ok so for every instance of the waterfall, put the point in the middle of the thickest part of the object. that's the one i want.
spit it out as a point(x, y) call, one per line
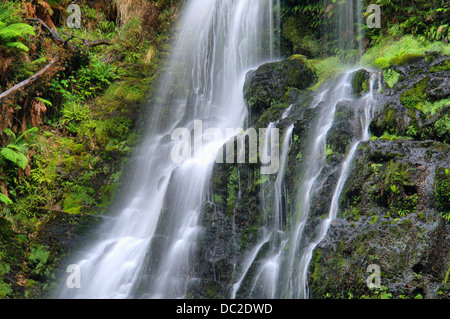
point(367, 106)
point(146, 248)
point(343, 27)
point(283, 271)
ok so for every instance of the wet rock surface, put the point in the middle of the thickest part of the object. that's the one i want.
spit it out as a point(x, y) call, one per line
point(391, 211)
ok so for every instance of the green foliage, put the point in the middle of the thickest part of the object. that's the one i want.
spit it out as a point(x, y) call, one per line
point(12, 30)
point(432, 107)
point(429, 18)
point(15, 151)
point(302, 27)
point(381, 293)
point(443, 66)
point(232, 189)
point(391, 77)
point(92, 79)
point(14, 154)
point(327, 69)
point(301, 43)
point(5, 199)
point(5, 289)
point(442, 126)
point(401, 194)
point(38, 258)
point(74, 113)
point(389, 50)
point(414, 98)
point(9, 35)
point(77, 197)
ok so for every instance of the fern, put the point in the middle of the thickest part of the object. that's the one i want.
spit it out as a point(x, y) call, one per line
point(16, 30)
point(46, 102)
point(14, 156)
point(10, 33)
point(15, 151)
point(18, 45)
point(30, 131)
point(5, 199)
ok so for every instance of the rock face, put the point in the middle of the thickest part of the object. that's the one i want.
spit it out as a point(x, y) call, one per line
point(394, 211)
point(388, 217)
point(271, 84)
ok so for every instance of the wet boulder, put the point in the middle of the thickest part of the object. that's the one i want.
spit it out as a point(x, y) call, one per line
point(275, 82)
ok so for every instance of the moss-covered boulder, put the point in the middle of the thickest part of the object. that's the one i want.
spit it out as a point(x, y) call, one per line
point(417, 103)
point(360, 81)
point(272, 83)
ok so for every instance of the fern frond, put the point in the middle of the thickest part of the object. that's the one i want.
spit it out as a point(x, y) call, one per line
point(9, 133)
point(5, 199)
point(16, 30)
point(18, 45)
point(46, 102)
point(15, 157)
point(30, 131)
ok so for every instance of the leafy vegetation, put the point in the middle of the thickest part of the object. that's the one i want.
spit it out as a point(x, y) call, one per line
point(65, 139)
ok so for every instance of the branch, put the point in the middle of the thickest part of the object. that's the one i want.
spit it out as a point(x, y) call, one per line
point(58, 39)
point(53, 34)
point(29, 80)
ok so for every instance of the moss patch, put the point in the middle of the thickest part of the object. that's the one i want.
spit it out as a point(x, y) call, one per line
point(415, 97)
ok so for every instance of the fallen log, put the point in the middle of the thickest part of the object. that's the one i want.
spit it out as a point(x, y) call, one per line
point(28, 81)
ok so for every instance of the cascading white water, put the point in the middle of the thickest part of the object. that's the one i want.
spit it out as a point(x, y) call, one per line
point(273, 233)
point(283, 271)
point(314, 165)
point(367, 106)
point(148, 246)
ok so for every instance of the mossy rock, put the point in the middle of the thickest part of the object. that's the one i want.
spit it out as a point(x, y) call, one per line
point(268, 85)
point(416, 95)
point(404, 59)
point(360, 81)
point(442, 191)
point(441, 66)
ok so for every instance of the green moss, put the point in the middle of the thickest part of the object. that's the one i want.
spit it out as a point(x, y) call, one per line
point(390, 137)
point(382, 63)
point(316, 262)
point(415, 97)
point(77, 197)
point(406, 59)
point(443, 66)
point(433, 107)
point(300, 37)
point(399, 190)
point(232, 189)
point(390, 50)
point(327, 69)
point(360, 81)
point(391, 77)
point(442, 127)
point(211, 291)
